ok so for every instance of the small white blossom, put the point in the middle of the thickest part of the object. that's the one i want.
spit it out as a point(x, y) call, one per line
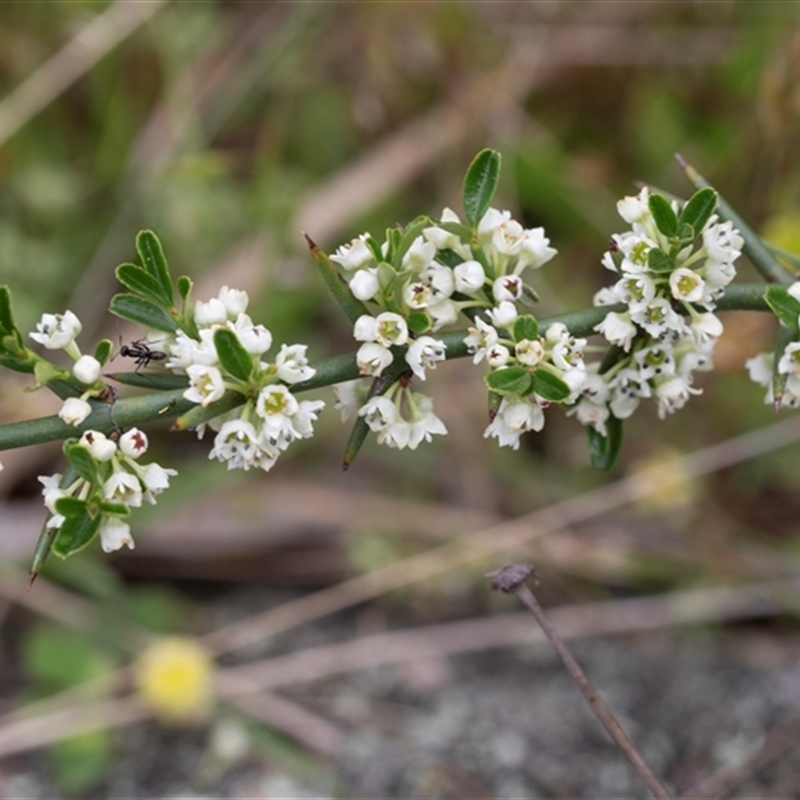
point(706, 327)
point(354, 255)
point(760, 368)
point(186, 351)
point(417, 295)
point(617, 329)
point(444, 313)
point(99, 445)
point(256, 339)
point(350, 396)
point(441, 281)
point(51, 491)
point(635, 209)
point(420, 255)
point(469, 277)
point(373, 358)
point(205, 384)
point(114, 533)
point(364, 284)
point(133, 443)
point(390, 329)
point(503, 314)
point(686, 285)
point(535, 250)
point(87, 370)
point(380, 413)
point(234, 300)
point(237, 444)
point(424, 353)
point(480, 340)
point(497, 356)
point(794, 290)
point(529, 352)
point(210, 313)
point(514, 417)
point(673, 393)
point(507, 287)
point(155, 479)
point(292, 364)
point(74, 411)
point(57, 331)
point(722, 242)
point(122, 487)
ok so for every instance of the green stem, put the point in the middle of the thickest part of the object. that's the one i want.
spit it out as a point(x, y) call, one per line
point(168, 405)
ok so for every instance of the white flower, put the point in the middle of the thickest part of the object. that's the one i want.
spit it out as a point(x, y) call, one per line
point(514, 417)
point(380, 413)
point(373, 358)
point(794, 290)
point(186, 351)
point(57, 331)
point(211, 313)
point(256, 339)
point(364, 284)
point(658, 318)
point(706, 327)
point(441, 281)
point(51, 490)
point(417, 295)
point(390, 329)
point(114, 533)
point(425, 423)
point(99, 445)
point(535, 250)
point(789, 363)
point(444, 240)
point(498, 356)
point(365, 328)
point(87, 370)
point(760, 368)
point(529, 352)
point(686, 285)
point(722, 242)
point(607, 296)
point(350, 396)
point(617, 329)
point(155, 479)
point(672, 394)
point(627, 388)
point(122, 487)
point(469, 277)
point(236, 443)
point(480, 339)
point(234, 300)
point(507, 287)
point(444, 313)
point(656, 361)
point(420, 255)
point(567, 353)
point(205, 384)
point(354, 255)
point(635, 209)
point(424, 353)
point(133, 443)
point(636, 289)
point(591, 413)
point(306, 415)
point(276, 405)
point(292, 364)
point(74, 411)
point(503, 314)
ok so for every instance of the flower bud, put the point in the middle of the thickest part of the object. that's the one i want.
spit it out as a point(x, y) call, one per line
point(87, 370)
point(74, 411)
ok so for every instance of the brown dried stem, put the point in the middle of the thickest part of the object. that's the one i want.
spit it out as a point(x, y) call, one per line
point(511, 579)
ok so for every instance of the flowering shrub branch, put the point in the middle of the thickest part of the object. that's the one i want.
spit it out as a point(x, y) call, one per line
point(209, 368)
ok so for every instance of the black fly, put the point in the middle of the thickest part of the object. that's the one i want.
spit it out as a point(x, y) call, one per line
point(142, 352)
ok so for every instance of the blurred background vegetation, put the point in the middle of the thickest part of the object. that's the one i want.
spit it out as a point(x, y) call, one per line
point(230, 128)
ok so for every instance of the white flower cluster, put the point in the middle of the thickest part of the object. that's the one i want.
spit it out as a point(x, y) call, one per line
point(255, 434)
point(124, 482)
point(58, 332)
point(668, 330)
point(762, 368)
point(421, 286)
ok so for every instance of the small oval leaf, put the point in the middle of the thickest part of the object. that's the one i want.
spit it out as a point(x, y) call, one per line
point(510, 380)
point(143, 312)
point(604, 450)
point(75, 533)
point(233, 357)
point(659, 261)
point(665, 218)
point(103, 350)
point(152, 254)
point(141, 282)
point(81, 460)
point(698, 209)
point(785, 307)
point(480, 183)
point(549, 386)
point(526, 327)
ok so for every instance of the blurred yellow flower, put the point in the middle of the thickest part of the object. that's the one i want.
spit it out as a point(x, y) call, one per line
point(669, 492)
point(174, 678)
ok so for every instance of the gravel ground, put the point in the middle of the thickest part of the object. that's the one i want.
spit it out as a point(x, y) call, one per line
point(507, 724)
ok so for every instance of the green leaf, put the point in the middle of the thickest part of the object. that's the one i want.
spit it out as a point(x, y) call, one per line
point(698, 209)
point(785, 307)
point(141, 282)
point(103, 350)
point(82, 762)
point(480, 183)
point(6, 315)
point(71, 506)
point(161, 381)
point(686, 233)
point(115, 509)
point(137, 309)
point(232, 356)
point(510, 380)
point(464, 232)
point(604, 450)
point(419, 322)
point(351, 306)
point(152, 255)
point(659, 261)
point(81, 459)
point(75, 533)
point(409, 235)
point(526, 327)
point(663, 215)
point(549, 386)
point(185, 287)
